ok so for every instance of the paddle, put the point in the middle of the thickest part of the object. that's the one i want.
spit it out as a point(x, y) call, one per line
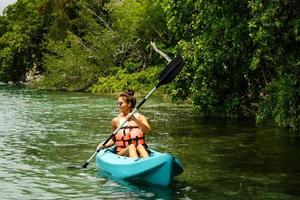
point(166, 76)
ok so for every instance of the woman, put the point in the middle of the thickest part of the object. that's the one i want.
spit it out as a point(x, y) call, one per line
point(130, 139)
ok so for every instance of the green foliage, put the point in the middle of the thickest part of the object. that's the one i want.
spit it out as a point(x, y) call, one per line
point(275, 33)
point(214, 43)
point(74, 61)
point(282, 103)
point(238, 53)
point(67, 66)
point(140, 82)
point(3, 25)
point(138, 23)
point(20, 41)
point(126, 16)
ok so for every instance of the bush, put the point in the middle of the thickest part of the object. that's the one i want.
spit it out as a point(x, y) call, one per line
point(141, 82)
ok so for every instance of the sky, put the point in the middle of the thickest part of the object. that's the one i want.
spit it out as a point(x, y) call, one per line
point(4, 4)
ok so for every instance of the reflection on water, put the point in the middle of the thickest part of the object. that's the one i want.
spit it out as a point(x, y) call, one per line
point(138, 189)
point(46, 136)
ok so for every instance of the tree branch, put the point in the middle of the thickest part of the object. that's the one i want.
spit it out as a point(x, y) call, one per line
point(160, 52)
point(104, 22)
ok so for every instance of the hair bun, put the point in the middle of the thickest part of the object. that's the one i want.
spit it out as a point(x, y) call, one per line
point(130, 92)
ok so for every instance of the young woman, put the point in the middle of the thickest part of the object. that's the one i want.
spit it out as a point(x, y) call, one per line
point(130, 139)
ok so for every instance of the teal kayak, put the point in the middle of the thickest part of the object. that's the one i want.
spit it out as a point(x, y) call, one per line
point(158, 168)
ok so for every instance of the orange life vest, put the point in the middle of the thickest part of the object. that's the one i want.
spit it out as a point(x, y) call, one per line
point(130, 133)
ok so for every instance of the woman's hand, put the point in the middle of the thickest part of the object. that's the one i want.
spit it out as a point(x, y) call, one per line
point(99, 147)
point(141, 121)
point(131, 116)
point(107, 145)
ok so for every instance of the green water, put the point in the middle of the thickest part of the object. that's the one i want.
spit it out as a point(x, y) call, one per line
point(46, 136)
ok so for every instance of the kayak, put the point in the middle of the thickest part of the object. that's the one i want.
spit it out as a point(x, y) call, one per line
point(158, 168)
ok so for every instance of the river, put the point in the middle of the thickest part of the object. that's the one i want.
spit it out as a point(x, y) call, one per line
point(46, 136)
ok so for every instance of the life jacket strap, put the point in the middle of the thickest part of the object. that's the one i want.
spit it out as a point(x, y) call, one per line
point(129, 127)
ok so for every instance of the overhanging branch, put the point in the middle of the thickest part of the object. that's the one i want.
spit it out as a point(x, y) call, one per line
point(160, 52)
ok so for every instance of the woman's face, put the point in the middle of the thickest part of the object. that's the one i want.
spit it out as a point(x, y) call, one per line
point(123, 105)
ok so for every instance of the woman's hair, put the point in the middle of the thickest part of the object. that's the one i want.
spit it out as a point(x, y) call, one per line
point(129, 97)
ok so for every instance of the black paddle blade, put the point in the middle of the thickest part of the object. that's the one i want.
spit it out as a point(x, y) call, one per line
point(171, 71)
point(85, 164)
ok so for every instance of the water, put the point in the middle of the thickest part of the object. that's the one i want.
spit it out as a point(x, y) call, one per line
point(46, 136)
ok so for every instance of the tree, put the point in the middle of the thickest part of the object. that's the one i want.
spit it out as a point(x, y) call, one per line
point(239, 54)
point(20, 42)
point(275, 33)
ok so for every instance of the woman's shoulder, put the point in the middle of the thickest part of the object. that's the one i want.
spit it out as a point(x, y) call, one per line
point(115, 120)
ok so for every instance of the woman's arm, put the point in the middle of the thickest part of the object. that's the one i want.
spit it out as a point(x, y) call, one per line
point(108, 144)
point(114, 124)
